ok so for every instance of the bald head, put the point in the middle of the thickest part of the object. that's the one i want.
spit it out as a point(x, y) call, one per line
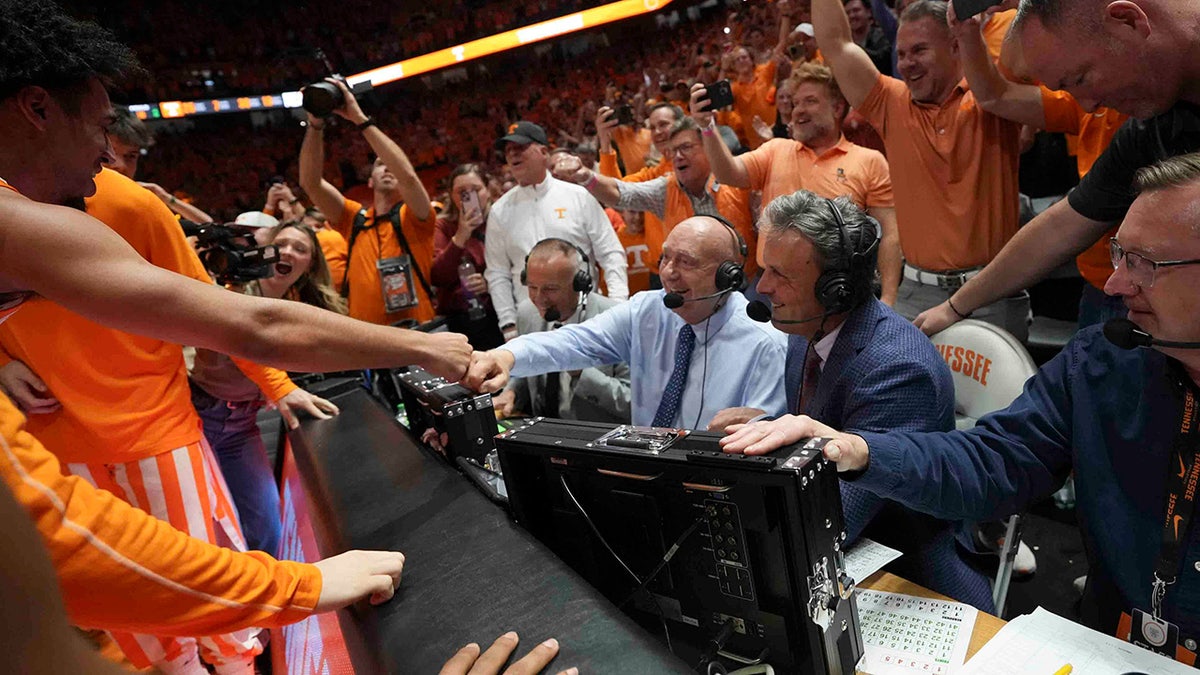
point(707, 237)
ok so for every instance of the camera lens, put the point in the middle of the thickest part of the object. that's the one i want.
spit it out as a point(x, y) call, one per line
point(321, 98)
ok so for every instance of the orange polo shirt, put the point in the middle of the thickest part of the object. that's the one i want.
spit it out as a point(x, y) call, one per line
point(124, 397)
point(781, 166)
point(995, 29)
point(756, 97)
point(954, 169)
point(633, 144)
point(333, 246)
point(1093, 132)
point(379, 241)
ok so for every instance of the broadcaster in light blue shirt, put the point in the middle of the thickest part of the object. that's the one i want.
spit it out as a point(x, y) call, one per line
point(733, 362)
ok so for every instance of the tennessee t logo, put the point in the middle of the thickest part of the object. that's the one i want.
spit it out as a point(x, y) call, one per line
point(1177, 519)
point(562, 213)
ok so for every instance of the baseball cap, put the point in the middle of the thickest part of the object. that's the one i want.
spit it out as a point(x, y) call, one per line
point(806, 28)
point(523, 133)
point(256, 219)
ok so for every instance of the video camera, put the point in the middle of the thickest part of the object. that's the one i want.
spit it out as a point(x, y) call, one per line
point(230, 253)
point(322, 98)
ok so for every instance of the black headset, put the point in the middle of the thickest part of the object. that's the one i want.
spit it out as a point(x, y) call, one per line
point(731, 276)
point(835, 287)
point(582, 281)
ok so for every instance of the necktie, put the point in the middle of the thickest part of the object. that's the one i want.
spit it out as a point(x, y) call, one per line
point(674, 391)
point(553, 387)
point(550, 397)
point(812, 374)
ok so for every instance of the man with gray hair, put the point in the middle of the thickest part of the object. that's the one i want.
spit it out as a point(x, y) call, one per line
point(1117, 406)
point(853, 360)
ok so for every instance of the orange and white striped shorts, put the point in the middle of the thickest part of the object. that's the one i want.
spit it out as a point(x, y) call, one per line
point(185, 488)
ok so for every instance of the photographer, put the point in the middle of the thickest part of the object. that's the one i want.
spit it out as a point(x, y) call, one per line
point(390, 242)
point(228, 401)
point(459, 260)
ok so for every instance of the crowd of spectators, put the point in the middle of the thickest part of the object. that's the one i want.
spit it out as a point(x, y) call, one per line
point(224, 161)
point(270, 46)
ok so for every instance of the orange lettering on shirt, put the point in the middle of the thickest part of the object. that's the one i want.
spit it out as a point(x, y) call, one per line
point(562, 213)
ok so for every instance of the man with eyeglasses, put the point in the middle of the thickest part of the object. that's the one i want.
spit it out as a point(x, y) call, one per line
point(689, 190)
point(1124, 419)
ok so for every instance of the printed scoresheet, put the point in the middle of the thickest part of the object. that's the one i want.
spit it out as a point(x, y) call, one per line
point(907, 634)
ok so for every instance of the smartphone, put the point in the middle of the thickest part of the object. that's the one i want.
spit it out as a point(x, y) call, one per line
point(625, 115)
point(720, 94)
point(965, 9)
point(470, 201)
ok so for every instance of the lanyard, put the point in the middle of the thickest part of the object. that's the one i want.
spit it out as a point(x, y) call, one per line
point(1183, 474)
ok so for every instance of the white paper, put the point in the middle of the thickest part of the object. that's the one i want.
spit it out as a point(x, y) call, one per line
point(867, 557)
point(1043, 642)
point(908, 634)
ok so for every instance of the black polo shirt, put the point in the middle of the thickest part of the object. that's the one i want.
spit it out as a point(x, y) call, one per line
point(1107, 191)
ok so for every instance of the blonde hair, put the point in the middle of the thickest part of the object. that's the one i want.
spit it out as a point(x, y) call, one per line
point(810, 71)
point(1175, 171)
point(315, 286)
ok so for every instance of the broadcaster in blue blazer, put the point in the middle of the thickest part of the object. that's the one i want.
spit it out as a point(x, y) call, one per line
point(854, 363)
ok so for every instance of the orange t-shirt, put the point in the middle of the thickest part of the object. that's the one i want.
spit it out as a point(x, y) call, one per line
point(782, 166)
point(1093, 131)
point(333, 245)
point(756, 97)
point(638, 254)
point(633, 144)
point(378, 241)
point(955, 175)
point(124, 397)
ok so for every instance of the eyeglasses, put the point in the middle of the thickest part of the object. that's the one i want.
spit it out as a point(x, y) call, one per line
point(684, 149)
point(1141, 269)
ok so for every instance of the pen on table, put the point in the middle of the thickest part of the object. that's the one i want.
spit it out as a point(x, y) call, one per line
point(1065, 670)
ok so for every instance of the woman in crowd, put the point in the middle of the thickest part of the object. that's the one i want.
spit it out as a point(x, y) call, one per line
point(228, 402)
point(458, 259)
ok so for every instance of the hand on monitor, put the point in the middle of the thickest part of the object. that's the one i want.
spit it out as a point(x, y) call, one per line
point(728, 417)
point(468, 660)
point(758, 438)
point(354, 575)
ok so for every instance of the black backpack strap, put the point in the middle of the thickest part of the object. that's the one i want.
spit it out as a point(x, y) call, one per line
point(360, 224)
point(394, 215)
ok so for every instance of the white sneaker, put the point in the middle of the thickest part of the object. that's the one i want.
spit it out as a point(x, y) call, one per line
point(1024, 564)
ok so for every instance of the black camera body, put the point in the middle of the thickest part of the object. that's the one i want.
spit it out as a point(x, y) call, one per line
point(322, 98)
point(230, 253)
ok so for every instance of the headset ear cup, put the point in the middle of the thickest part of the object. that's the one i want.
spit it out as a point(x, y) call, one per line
point(730, 277)
point(582, 283)
point(833, 291)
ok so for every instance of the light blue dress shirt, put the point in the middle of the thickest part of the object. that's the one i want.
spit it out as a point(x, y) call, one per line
point(736, 361)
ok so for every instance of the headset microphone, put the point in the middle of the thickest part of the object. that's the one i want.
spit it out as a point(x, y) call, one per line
point(552, 315)
point(1126, 335)
point(761, 312)
point(675, 300)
